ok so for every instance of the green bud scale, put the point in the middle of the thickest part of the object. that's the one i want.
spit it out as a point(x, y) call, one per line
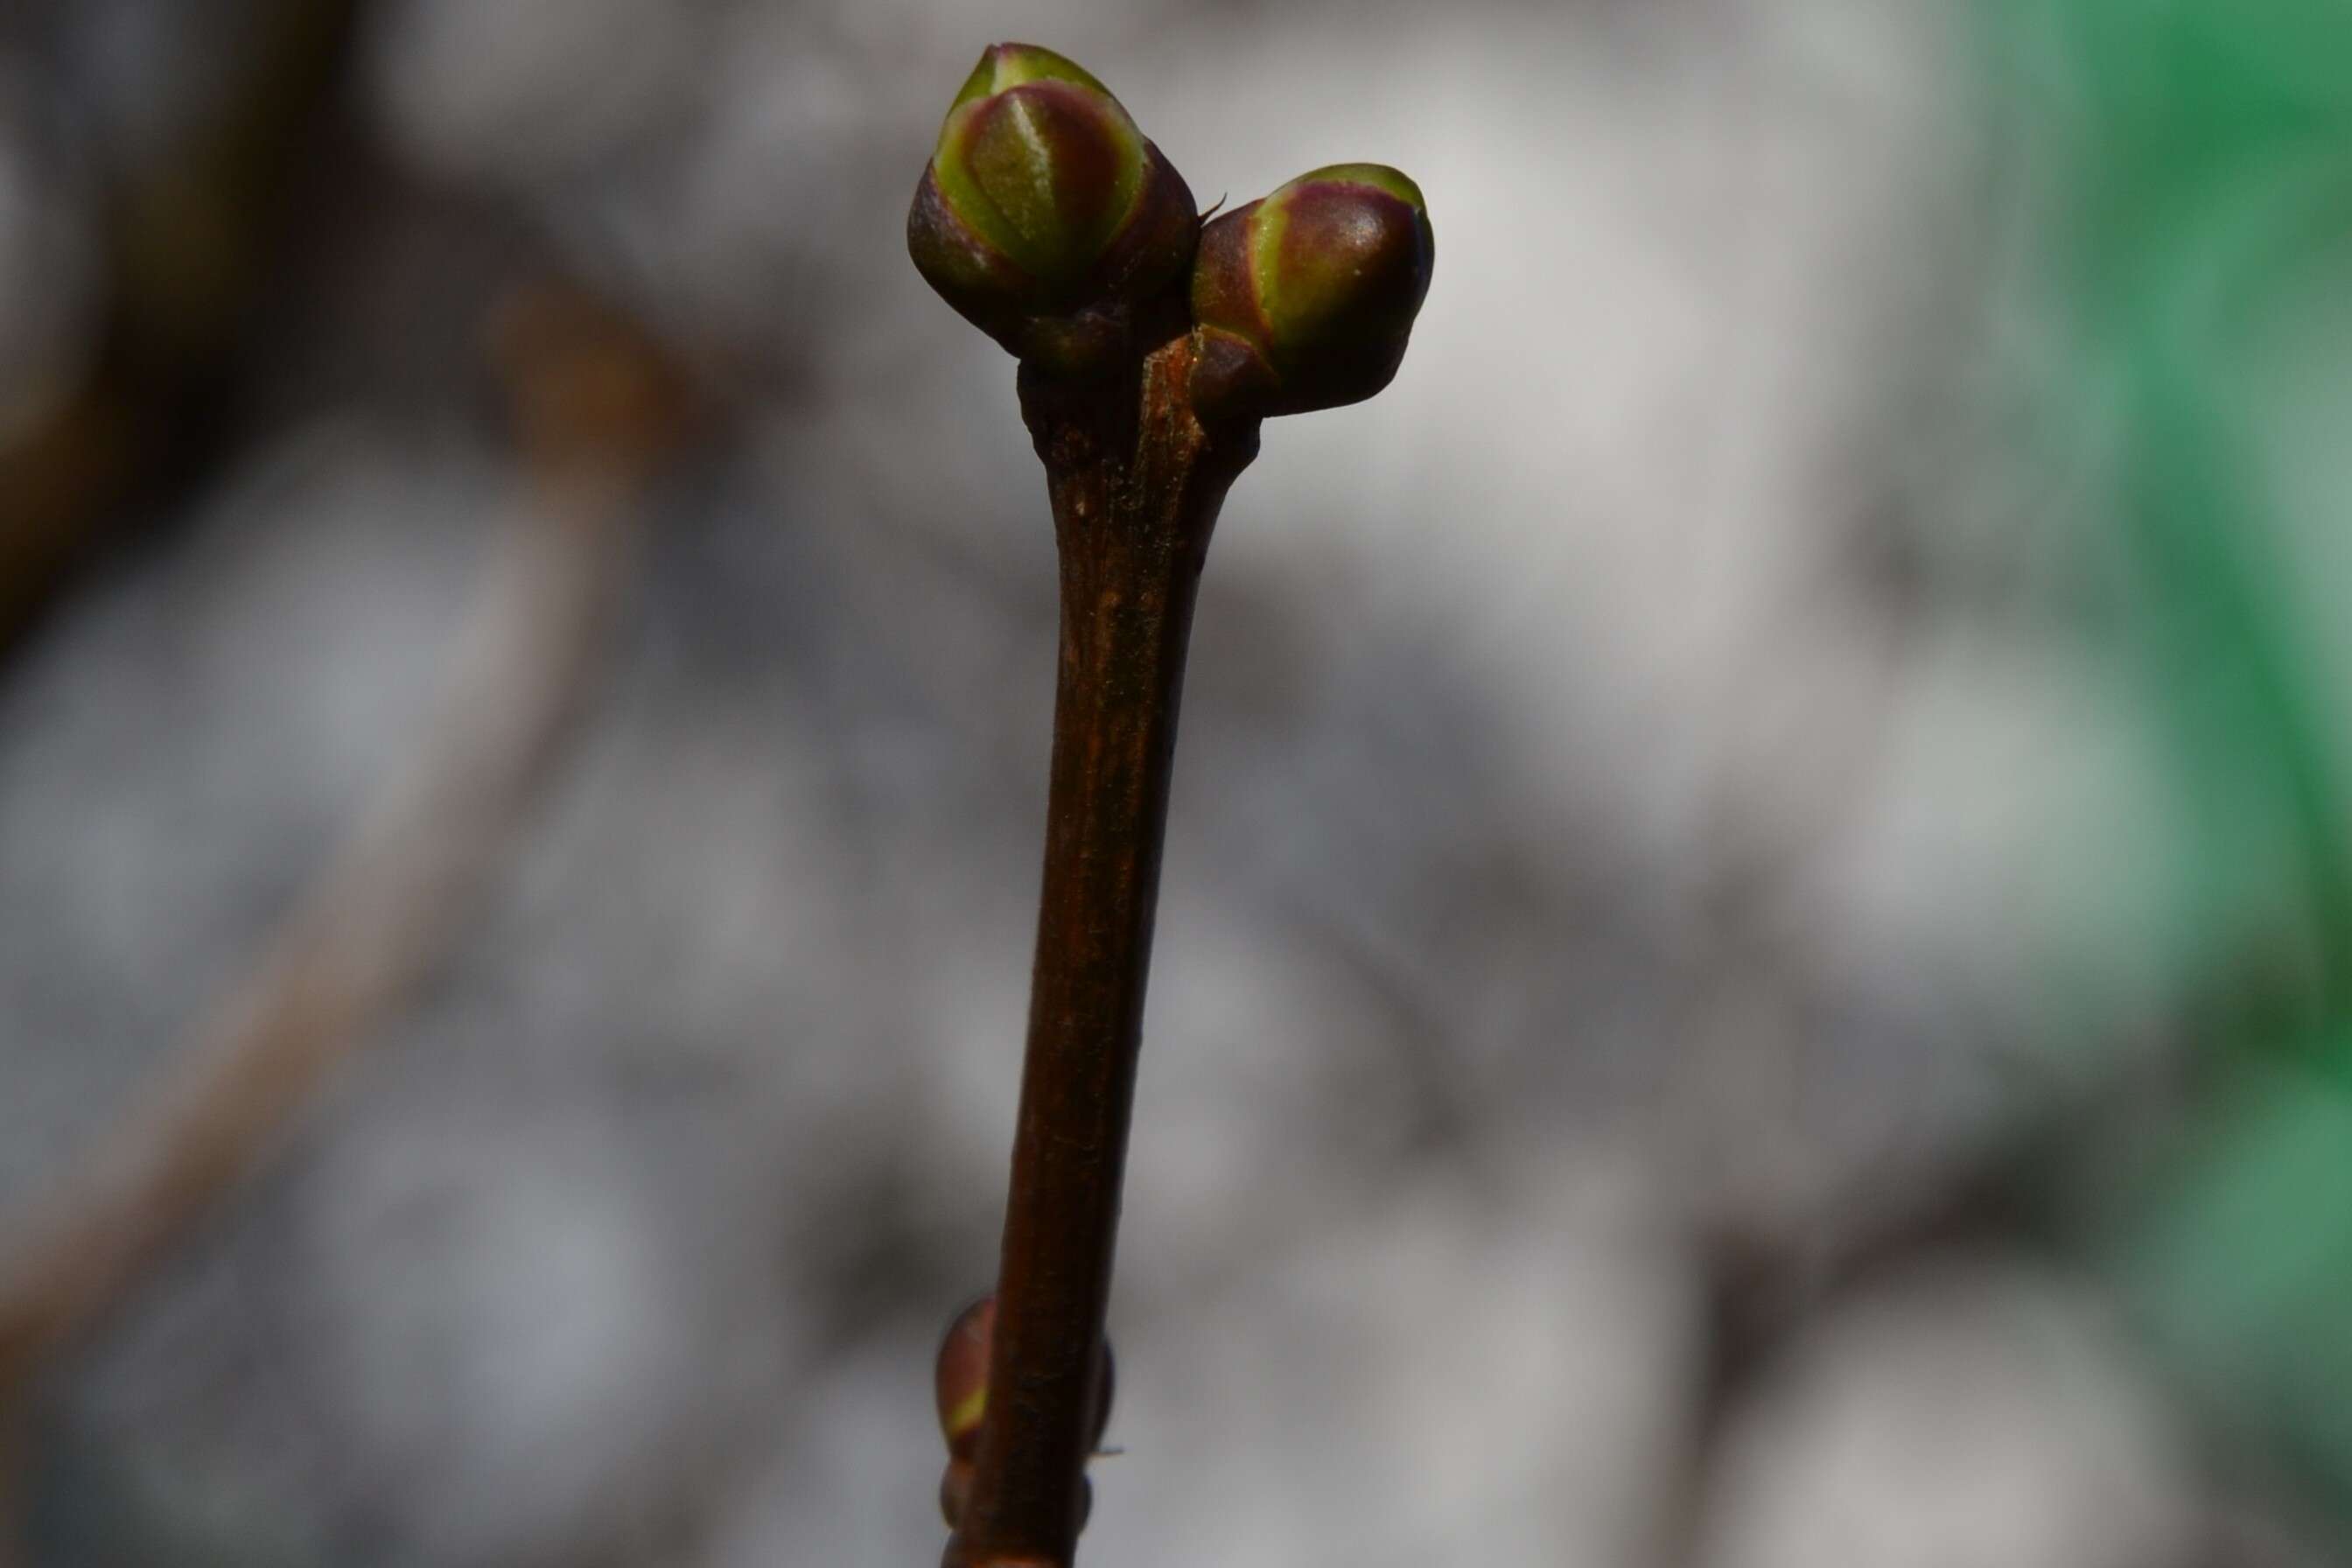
point(1305, 298)
point(1044, 217)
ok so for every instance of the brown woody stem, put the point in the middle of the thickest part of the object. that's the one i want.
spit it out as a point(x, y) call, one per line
point(1136, 483)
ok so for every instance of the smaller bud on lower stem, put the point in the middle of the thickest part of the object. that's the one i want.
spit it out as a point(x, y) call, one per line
point(960, 1378)
point(1306, 298)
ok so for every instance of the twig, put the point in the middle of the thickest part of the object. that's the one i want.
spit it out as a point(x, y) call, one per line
point(1151, 344)
point(1135, 496)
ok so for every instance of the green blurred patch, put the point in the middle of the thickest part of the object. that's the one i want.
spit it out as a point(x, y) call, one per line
point(2191, 162)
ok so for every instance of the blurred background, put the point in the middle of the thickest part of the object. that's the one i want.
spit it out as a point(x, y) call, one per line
point(1755, 965)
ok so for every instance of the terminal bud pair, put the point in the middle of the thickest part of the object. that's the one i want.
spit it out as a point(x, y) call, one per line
point(1050, 222)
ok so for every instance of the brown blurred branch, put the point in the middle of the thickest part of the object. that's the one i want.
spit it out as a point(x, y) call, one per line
point(595, 406)
point(1762, 1288)
point(194, 238)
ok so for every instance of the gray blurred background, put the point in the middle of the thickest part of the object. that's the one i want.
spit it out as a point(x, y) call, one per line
point(1666, 828)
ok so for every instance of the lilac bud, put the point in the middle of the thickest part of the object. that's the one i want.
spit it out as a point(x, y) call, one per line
point(1044, 217)
point(1305, 299)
